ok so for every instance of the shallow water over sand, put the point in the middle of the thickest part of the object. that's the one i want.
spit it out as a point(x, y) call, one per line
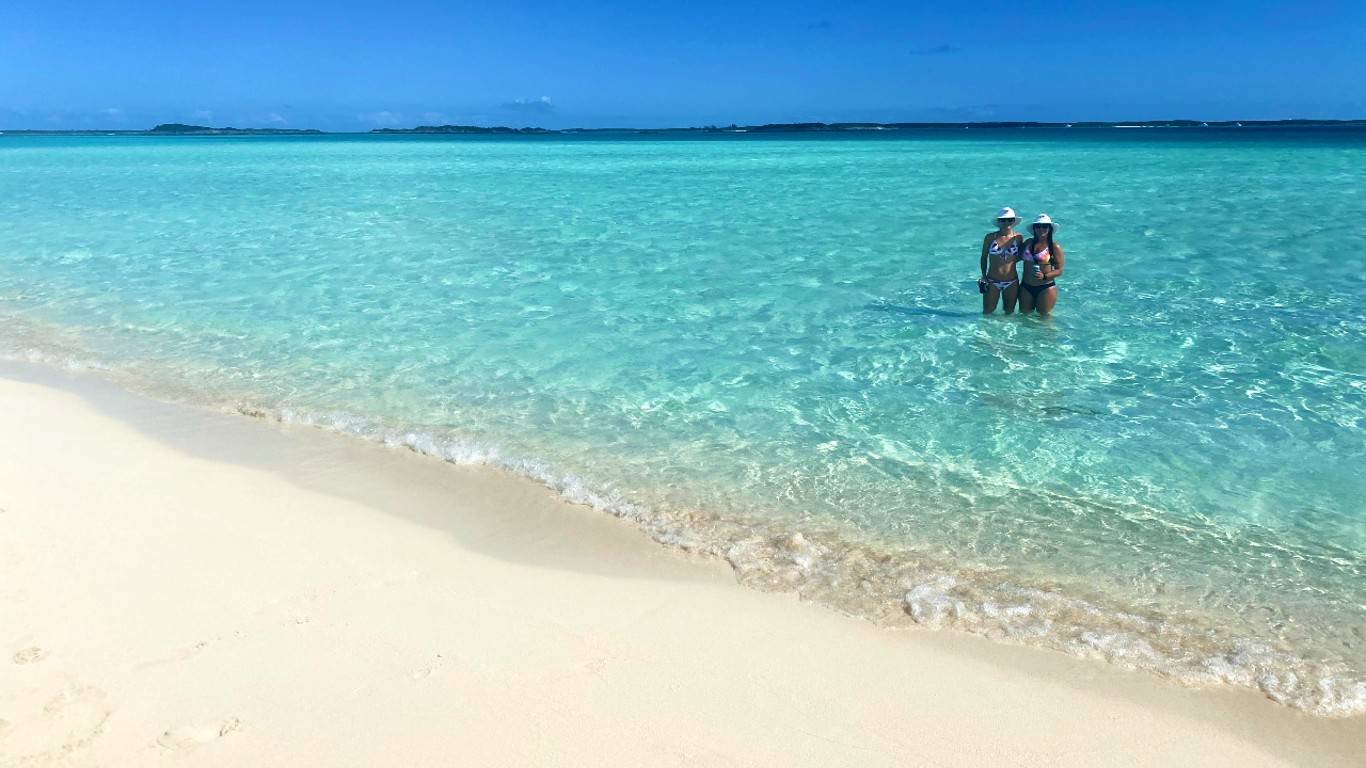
point(738, 341)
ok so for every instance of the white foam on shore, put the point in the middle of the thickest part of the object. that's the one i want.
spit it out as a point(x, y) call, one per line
point(902, 587)
point(894, 586)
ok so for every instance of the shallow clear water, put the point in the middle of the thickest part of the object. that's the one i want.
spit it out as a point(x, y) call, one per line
point(772, 349)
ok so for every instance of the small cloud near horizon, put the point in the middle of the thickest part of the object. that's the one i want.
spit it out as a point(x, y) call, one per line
point(541, 106)
point(935, 51)
point(969, 113)
point(383, 118)
point(276, 118)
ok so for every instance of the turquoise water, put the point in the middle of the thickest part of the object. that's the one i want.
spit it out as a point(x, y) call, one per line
point(771, 349)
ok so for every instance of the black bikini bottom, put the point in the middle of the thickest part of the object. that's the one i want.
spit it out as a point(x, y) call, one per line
point(1035, 290)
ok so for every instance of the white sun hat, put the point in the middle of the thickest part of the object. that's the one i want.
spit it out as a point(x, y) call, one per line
point(1007, 213)
point(1043, 218)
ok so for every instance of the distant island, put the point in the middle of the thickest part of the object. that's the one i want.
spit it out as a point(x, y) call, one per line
point(463, 129)
point(168, 129)
point(846, 127)
point(820, 127)
point(183, 129)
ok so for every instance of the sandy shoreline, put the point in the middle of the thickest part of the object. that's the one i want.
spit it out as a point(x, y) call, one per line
point(183, 586)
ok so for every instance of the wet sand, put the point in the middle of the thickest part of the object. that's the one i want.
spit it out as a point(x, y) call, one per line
point(179, 585)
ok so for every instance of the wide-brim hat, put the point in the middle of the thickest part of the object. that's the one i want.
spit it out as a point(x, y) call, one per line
point(1007, 213)
point(1044, 218)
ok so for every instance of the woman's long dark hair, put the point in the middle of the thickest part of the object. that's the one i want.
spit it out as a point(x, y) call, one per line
point(1035, 238)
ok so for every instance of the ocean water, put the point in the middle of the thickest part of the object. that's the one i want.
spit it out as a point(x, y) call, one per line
point(771, 349)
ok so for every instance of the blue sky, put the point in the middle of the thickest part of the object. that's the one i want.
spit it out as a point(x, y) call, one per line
point(349, 65)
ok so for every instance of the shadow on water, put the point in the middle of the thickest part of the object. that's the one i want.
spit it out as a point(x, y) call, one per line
point(1055, 416)
point(897, 309)
point(1072, 410)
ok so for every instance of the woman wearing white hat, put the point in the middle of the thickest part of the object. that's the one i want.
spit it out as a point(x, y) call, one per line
point(1001, 251)
point(1043, 263)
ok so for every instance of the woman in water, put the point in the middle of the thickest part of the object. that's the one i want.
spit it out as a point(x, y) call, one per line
point(1043, 262)
point(1001, 251)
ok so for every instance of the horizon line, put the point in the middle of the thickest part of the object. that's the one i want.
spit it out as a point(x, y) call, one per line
point(807, 126)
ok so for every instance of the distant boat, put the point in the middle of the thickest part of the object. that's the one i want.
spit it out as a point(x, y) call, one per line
point(1204, 125)
point(1240, 125)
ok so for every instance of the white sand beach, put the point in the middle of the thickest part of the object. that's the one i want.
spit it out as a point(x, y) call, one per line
point(184, 587)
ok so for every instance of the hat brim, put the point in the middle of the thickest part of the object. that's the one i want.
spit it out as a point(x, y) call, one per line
point(1052, 224)
point(1014, 221)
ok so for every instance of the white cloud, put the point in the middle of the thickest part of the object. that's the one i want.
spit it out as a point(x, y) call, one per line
point(381, 118)
point(541, 106)
point(276, 118)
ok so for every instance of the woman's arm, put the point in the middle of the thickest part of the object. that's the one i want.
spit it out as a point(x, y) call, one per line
point(1049, 274)
point(986, 243)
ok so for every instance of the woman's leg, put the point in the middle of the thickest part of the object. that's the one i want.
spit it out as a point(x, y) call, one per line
point(1026, 300)
point(1047, 299)
point(990, 298)
point(1010, 295)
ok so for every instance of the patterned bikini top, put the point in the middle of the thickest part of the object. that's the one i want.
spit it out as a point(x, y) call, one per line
point(999, 252)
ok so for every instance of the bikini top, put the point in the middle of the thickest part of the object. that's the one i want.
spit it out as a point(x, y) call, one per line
point(997, 250)
point(1042, 257)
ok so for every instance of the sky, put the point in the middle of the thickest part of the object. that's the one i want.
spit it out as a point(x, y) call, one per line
point(360, 64)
